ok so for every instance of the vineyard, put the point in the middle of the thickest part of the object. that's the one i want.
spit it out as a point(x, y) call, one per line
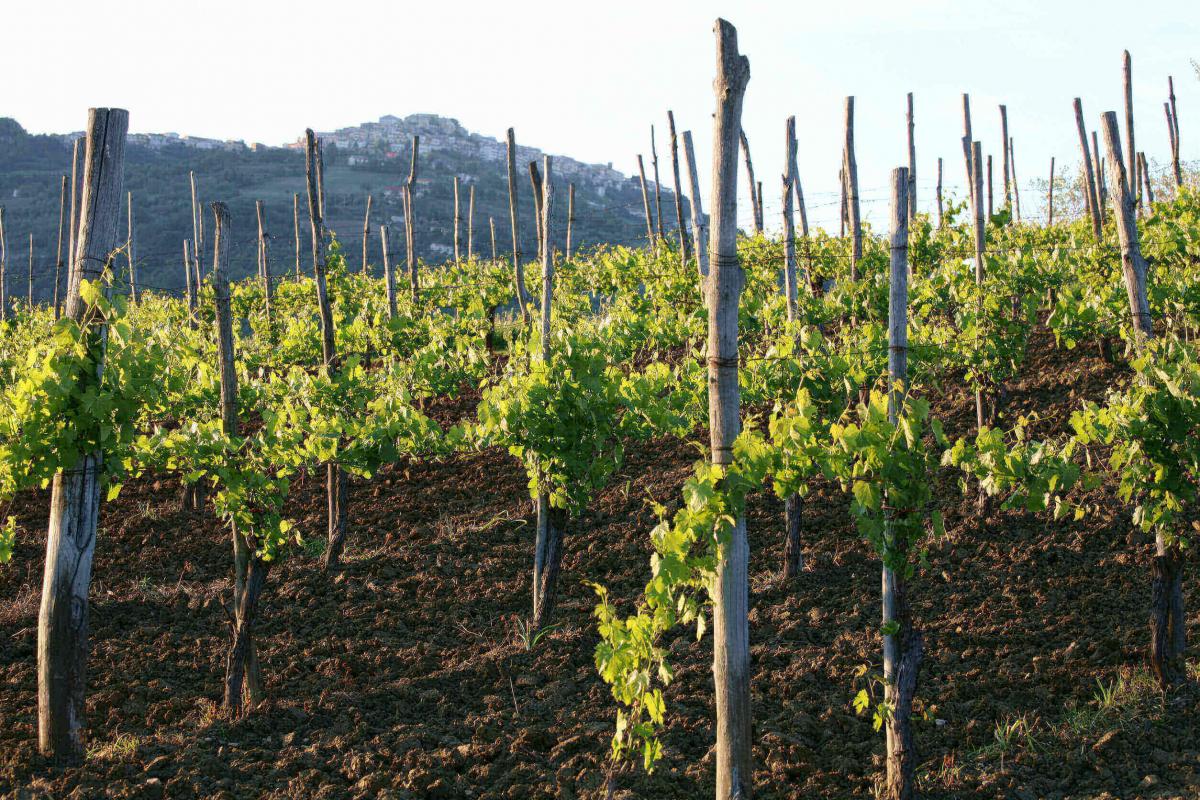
point(899, 512)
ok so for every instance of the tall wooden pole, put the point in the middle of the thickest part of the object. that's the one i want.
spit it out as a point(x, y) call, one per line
point(570, 216)
point(389, 277)
point(471, 220)
point(1173, 131)
point(492, 225)
point(684, 245)
point(1089, 174)
point(366, 238)
point(1012, 165)
point(1008, 206)
point(1132, 263)
point(129, 251)
point(1050, 195)
point(75, 495)
point(76, 177)
point(699, 228)
point(264, 263)
point(1131, 159)
point(652, 242)
point(1145, 173)
point(3, 269)
point(518, 269)
point(853, 216)
point(902, 648)
point(980, 230)
point(197, 235)
point(29, 297)
point(968, 137)
point(990, 204)
point(657, 184)
point(58, 258)
point(191, 296)
point(731, 628)
point(794, 169)
point(535, 180)
point(754, 198)
point(410, 223)
point(457, 223)
point(912, 162)
point(1101, 181)
point(296, 222)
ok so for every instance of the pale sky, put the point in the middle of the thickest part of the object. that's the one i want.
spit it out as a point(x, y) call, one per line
point(588, 79)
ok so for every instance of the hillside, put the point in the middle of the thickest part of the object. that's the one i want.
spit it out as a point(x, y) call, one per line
point(369, 159)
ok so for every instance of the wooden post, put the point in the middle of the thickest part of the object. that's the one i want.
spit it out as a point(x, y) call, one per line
point(912, 163)
point(75, 495)
point(366, 234)
point(535, 180)
point(492, 225)
point(410, 222)
point(457, 223)
point(901, 649)
point(1135, 183)
point(980, 242)
point(731, 629)
point(29, 298)
point(76, 177)
point(335, 480)
point(191, 290)
point(58, 258)
point(551, 522)
point(791, 179)
point(940, 209)
point(755, 208)
point(1145, 171)
point(264, 261)
point(844, 212)
point(684, 249)
point(989, 187)
point(518, 270)
point(243, 665)
point(1008, 206)
point(657, 185)
point(3, 269)
point(197, 235)
point(1089, 175)
point(1168, 634)
point(570, 216)
point(968, 137)
point(698, 225)
point(646, 204)
point(794, 168)
point(1101, 182)
point(129, 252)
point(296, 222)
point(409, 256)
point(471, 220)
point(853, 217)
point(1012, 166)
point(1173, 131)
point(389, 277)
point(793, 555)
point(789, 248)
point(1050, 195)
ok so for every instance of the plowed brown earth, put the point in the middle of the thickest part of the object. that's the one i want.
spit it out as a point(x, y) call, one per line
point(402, 676)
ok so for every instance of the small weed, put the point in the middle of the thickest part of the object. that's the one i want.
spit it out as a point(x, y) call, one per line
point(1009, 735)
point(314, 548)
point(123, 748)
point(527, 636)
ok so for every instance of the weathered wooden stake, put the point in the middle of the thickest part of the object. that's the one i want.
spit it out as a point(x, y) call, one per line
point(518, 269)
point(410, 222)
point(1089, 175)
point(854, 217)
point(731, 628)
point(570, 216)
point(191, 292)
point(389, 277)
point(29, 298)
point(535, 180)
point(129, 250)
point(1012, 165)
point(1008, 201)
point(792, 178)
point(264, 263)
point(901, 649)
point(58, 258)
point(457, 223)
point(968, 137)
point(1145, 172)
point(1135, 183)
point(197, 235)
point(652, 242)
point(794, 169)
point(1173, 131)
point(755, 205)
point(1101, 182)
point(990, 198)
point(684, 248)
point(492, 225)
point(75, 495)
point(912, 162)
point(76, 177)
point(699, 228)
point(3, 269)
point(940, 209)
point(366, 234)
point(471, 220)
point(980, 230)
point(296, 222)
point(657, 185)
point(1050, 195)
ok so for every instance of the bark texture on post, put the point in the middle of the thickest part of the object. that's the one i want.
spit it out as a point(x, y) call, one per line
point(410, 222)
point(940, 208)
point(1133, 265)
point(1145, 173)
point(570, 216)
point(197, 235)
point(1173, 131)
point(791, 178)
point(755, 205)
point(1101, 182)
point(1008, 206)
point(492, 225)
point(968, 137)
point(1050, 195)
point(989, 187)
point(731, 628)
point(902, 649)
point(76, 198)
point(651, 241)
point(296, 224)
point(794, 168)
point(1089, 174)
point(980, 230)
point(518, 269)
point(264, 264)
point(1131, 159)
point(62, 647)
point(457, 223)
point(853, 212)
point(187, 276)
point(684, 250)
point(1012, 166)
point(471, 220)
point(3, 269)
point(535, 181)
point(699, 228)
point(129, 253)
